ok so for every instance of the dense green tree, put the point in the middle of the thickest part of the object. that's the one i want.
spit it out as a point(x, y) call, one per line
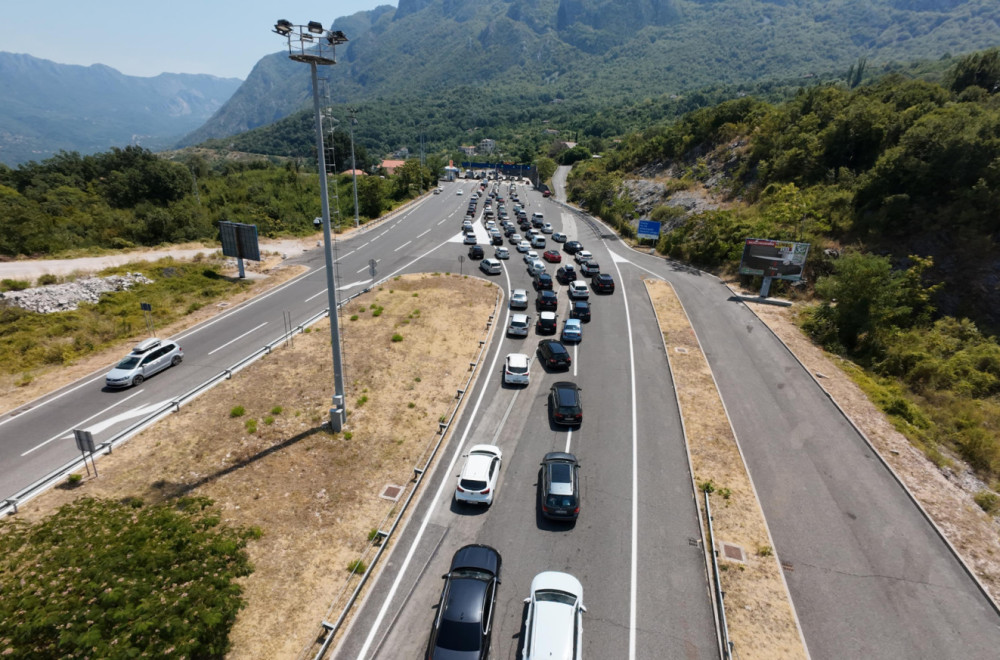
point(980, 69)
point(867, 302)
point(116, 579)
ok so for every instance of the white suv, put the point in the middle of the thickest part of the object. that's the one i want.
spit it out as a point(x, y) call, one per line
point(554, 627)
point(147, 358)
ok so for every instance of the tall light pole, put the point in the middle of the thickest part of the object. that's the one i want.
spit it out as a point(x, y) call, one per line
point(352, 119)
point(313, 44)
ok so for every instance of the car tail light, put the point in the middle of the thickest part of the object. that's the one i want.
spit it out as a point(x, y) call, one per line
point(578, 416)
point(576, 510)
point(545, 508)
point(485, 492)
point(460, 489)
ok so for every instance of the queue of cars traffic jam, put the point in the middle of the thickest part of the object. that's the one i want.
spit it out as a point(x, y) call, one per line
point(463, 624)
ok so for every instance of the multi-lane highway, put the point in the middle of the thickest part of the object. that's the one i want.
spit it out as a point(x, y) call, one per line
point(868, 575)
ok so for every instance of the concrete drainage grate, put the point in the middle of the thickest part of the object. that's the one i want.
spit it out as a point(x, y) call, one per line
point(391, 492)
point(733, 552)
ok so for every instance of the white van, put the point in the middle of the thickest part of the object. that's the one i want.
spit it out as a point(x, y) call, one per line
point(490, 266)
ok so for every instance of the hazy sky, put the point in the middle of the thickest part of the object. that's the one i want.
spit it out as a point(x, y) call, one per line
point(142, 38)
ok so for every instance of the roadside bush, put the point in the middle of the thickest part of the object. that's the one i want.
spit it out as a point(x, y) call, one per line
point(237, 411)
point(46, 279)
point(14, 285)
point(112, 579)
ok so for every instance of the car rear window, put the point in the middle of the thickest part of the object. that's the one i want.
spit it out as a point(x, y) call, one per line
point(567, 397)
point(514, 369)
point(472, 484)
point(458, 635)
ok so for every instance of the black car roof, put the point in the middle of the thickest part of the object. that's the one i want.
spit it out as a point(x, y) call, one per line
point(564, 390)
point(555, 346)
point(465, 600)
point(559, 456)
point(481, 557)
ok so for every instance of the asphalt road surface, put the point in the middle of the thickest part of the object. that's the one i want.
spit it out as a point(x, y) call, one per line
point(868, 575)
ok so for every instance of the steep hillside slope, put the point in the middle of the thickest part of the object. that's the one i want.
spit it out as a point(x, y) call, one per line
point(603, 51)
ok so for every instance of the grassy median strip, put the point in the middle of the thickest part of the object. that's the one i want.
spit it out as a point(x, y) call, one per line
point(257, 446)
point(760, 617)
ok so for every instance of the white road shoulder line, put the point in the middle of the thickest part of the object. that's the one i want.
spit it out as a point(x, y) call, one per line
point(437, 495)
point(80, 424)
point(235, 339)
point(634, 558)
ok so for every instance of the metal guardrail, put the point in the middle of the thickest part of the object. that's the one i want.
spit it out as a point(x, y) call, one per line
point(31, 491)
point(727, 646)
point(377, 545)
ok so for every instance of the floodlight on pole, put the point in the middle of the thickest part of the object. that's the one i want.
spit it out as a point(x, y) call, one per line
point(303, 47)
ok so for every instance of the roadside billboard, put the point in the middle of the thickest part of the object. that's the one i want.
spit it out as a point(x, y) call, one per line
point(783, 260)
point(648, 229)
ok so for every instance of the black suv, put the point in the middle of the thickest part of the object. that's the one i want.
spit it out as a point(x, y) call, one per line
point(580, 310)
point(476, 252)
point(547, 323)
point(560, 492)
point(565, 405)
point(602, 283)
point(566, 274)
point(572, 247)
point(547, 300)
point(464, 621)
point(542, 281)
point(553, 354)
point(590, 268)
point(496, 239)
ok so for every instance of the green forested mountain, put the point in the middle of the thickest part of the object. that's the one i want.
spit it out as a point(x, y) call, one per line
point(48, 107)
point(518, 55)
point(895, 184)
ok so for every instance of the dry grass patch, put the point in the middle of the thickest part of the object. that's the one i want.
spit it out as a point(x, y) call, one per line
point(760, 617)
point(315, 495)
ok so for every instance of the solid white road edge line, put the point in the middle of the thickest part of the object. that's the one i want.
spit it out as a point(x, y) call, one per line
point(80, 424)
point(235, 339)
point(633, 568)
point(437, 495)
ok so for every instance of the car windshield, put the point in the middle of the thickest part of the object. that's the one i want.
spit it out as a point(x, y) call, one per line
point(552, 596)
point(128, 363)
point(458, 636)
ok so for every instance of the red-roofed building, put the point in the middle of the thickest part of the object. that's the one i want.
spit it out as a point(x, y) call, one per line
point(390, 165)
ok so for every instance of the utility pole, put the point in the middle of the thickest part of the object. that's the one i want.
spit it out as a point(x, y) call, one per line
point(352, 120)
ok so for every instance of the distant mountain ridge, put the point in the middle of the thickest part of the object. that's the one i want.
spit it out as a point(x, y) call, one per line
point(607, 50)
point(47, 107)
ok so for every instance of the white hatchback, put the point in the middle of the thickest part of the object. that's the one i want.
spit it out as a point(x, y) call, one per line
point(518, 325)
point(582, 256)
point(519, 299)
point(516, 369)
point(523, 246)
point(478, 479)
point(554, 626)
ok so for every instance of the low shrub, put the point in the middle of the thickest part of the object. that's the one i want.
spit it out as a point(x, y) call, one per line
point(237, 411)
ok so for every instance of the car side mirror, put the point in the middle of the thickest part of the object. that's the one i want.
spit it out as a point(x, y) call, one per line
point(583, 608)
point(527, 600)
point(444, 577)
